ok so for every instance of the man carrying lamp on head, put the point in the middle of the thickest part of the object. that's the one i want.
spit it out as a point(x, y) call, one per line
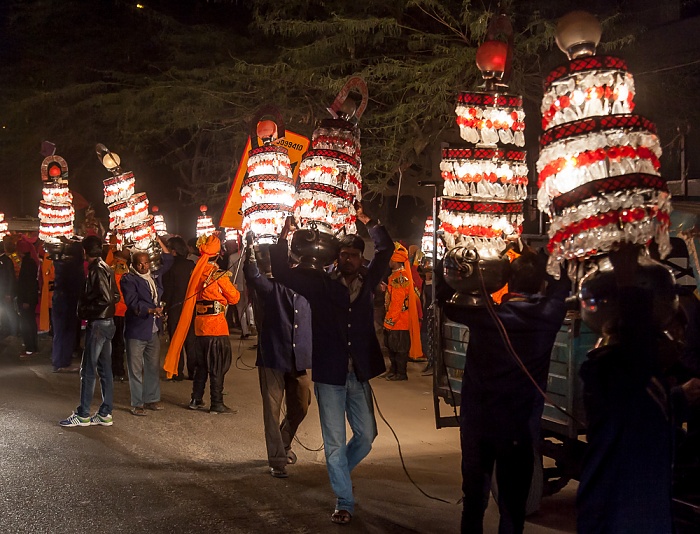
point(345, 350)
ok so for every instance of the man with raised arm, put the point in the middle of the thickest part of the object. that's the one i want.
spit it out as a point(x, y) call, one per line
point(345, 350)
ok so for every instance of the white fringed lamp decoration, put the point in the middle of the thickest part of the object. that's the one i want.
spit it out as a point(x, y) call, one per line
point(267, 192)
point(159, 222)
point(486, 184)
point(598, 170)
point(205, 226)
point(56, 213)
point(329, 175)
point(231, 234)
point(426, 244)
point(3, 226)
point(129, 219)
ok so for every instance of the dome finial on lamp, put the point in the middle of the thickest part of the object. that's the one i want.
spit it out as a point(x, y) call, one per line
point(578, 34)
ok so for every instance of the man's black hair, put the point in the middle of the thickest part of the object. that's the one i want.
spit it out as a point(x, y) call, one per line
point(353, 241)
point(192, 243)
point(527, 272)
point(92, 245)
point(178, 245)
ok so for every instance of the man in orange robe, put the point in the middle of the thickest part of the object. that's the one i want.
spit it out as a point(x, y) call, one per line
point(213, 291)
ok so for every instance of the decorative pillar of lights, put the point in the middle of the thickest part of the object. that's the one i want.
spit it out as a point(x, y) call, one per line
point(159, 222)
point(205, 226)
point(426, 244)
point(329, 175)
point(233, 234)
point(56, 213)
point(129, 219)
point(486, 183)
point(330, 180)
point(3, 226)
point(598, 168)
point(267, 192)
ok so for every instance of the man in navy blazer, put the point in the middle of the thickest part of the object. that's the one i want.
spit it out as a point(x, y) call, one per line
point(143, 290)
point(284, 355)
point(346, 352)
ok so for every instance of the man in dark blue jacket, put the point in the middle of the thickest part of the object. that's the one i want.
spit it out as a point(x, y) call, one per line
point(346, 352)
point(143, 291)
point(501, 407)
point(284, 355)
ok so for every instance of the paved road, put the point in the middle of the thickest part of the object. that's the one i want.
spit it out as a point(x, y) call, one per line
point(182, 471)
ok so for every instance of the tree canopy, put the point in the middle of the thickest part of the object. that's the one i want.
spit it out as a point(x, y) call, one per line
point(172, 87)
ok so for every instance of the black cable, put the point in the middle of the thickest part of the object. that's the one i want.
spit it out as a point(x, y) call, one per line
point(403, 463)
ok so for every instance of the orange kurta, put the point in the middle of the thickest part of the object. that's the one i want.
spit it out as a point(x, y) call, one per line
point(48, 276)
point(218, 288)
point(396, 301)
point(120, 269)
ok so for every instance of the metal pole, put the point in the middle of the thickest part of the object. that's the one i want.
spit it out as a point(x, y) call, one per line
point(435, 247)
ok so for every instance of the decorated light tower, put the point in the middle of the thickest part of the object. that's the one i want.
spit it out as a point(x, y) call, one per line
point(205, 226)
point(56, 213)
point(481, 211)
point(426, 244)
point(3, 226)
point(159, 222)
point(129, 219)
point(598, 172)
point(267, 192)
point(329, 180)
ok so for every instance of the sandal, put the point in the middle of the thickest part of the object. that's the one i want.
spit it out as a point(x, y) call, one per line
point(341, 517)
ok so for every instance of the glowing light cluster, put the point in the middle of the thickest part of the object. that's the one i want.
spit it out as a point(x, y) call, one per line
point(426, 244)
point(267, 193)
point(587, 94)
point(56, 212)
point(205, 226)
point(489, 119)
point(159, 222)
point(599, 164)
point(119, 187)
point(129, 219)
point(3, 226)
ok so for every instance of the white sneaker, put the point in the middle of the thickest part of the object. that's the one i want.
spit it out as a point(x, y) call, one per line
point(104, 420)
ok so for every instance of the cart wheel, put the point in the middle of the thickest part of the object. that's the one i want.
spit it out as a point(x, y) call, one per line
point(534, 498)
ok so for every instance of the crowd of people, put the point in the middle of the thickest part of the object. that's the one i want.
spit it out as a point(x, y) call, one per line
point(326, 322)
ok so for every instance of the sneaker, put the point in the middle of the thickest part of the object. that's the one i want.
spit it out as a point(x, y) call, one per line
point(222, 408)
point(25, 354)
point(196, 404)
point(279, 473)
point(104, 420)
point(75, 420)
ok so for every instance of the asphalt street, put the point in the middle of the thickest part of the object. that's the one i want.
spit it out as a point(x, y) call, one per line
point(185, 471)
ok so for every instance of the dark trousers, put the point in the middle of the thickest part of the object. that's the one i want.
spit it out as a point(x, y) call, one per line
point(29, 330)
point(213, 359)
point(295, 389)
point(398, 343)
point(514, 462)
point(187, 355)
point(8, 318)
point(64, 317)
point(118, 346)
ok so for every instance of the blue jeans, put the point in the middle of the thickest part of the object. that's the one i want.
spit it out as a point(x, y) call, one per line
point(143, 363)
point(97, 357)
point(354, 399)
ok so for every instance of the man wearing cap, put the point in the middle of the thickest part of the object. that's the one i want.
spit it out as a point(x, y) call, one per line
point(214, 292)
point(401, 324)
point(345, 350)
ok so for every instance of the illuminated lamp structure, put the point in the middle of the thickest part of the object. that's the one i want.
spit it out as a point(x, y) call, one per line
point(231, 234)
point(267, 192)
point(330, 180)
point(205, 226)
point(129, 219)
point(486, 182)
point(3, 226)
point(56, 213)
point(426, 244)
point(598, 169)
point(159, 222)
